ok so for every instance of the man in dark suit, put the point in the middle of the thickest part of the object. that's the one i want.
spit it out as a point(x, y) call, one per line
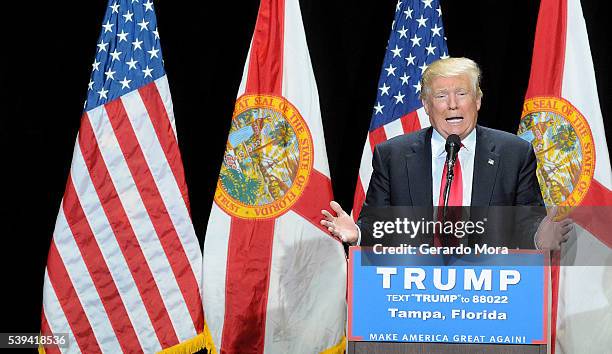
point(493, 168)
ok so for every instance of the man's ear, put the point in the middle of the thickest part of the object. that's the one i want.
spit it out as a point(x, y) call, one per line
point(424, 103)
point(478, 102)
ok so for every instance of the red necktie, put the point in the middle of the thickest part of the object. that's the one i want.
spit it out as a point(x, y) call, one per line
point(455, 199)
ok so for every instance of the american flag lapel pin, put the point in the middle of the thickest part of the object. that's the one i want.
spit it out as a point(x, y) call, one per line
point(491, 162)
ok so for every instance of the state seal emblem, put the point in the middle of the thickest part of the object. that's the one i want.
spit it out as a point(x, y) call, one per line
point(563, 144)
point(268, 158)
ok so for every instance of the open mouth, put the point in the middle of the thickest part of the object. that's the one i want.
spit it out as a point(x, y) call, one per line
point(454, 120)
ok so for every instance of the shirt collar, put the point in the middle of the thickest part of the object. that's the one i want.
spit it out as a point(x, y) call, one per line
point(438, 143)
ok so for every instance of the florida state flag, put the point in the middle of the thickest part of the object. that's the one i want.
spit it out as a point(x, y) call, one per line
point(275, 281)
point(563, 120)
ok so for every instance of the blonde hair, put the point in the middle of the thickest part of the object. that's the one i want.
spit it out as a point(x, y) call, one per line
point(451, 67)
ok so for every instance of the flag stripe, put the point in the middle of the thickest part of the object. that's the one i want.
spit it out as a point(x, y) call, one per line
point(153, 152)
point(65, 240)
point(158, 214)
point(246, 285)
point(358, 198)
point(410, 122)
point(213, 293)
point(266, 56)
point(158, 114)
point(377, 136)
point(131, 245)
point(314, 198)
point(98, 270)
point(45, 330)
point(393, 128)
point(109, 243)
point(70, 302)
point(546, 76)
point(53, 317)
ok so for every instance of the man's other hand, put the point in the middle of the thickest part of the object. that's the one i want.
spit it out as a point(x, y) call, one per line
point(551, 234)
point(341, 226)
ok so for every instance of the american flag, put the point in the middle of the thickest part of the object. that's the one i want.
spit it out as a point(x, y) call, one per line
point(416, 40)
point(124, 265)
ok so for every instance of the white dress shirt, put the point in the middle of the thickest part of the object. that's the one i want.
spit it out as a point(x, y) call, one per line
point(466, 160)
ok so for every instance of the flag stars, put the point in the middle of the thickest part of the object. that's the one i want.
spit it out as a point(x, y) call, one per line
point(435, 30)
point(439, 9)
point(378, 108)
point(115, 54)
point(422, 21)
point(410, 58)
point(122, 36)
point(148, 6)
point(102, 46)
point(137, 44)
point(147, 72)
point(95, 65)
point(427, 4)
point(156, 33)
point(444, 56)
point(90, 85)
point(109, 74)
point(399, 97)
point(398, 6)
point(404, 79)
point(131, 64)
point(384, 90)
point(402, 32)
point(430, 49)
point(396, 51)
point(416, 41)
point(128, 16)
point(153, 53)
point(115, 8)
point(143, 25)
point(408, 13)
point(390, 70)
point(102, 93)
point(108, 27)
point(125, 83)
point(417, 87)
point(423, 68)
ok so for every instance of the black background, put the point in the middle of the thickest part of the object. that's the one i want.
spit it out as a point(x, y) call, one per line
point(46, 51)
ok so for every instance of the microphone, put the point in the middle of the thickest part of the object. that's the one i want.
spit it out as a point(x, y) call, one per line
point(453, 144)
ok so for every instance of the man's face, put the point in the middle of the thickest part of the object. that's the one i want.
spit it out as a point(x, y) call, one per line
point(452, 106)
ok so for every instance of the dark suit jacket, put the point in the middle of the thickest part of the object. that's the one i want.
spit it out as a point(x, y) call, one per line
point(504, 175)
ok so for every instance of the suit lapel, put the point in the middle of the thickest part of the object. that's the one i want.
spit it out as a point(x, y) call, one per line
point(486, 163)
point(418, 166)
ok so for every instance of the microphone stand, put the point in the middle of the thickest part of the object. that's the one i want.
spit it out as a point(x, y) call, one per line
point(450, 174)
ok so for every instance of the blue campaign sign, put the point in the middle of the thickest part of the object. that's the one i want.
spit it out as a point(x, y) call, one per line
point(495, 299)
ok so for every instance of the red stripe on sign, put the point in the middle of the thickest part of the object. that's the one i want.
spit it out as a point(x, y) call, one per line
point(98, 271)
point(165, 134)
point(246, 285)
point(45, 330)
point(315, 197)
point(124, 233)
point(265, 73)
point(377, 136)
point(595, 212)
point(358, 199)
point(70, 303)
point(410, 122)
point(548, 50)
point(154, 204)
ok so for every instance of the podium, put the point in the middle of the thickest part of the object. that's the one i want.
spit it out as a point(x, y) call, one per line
point(415, 304)
point(355, 347)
